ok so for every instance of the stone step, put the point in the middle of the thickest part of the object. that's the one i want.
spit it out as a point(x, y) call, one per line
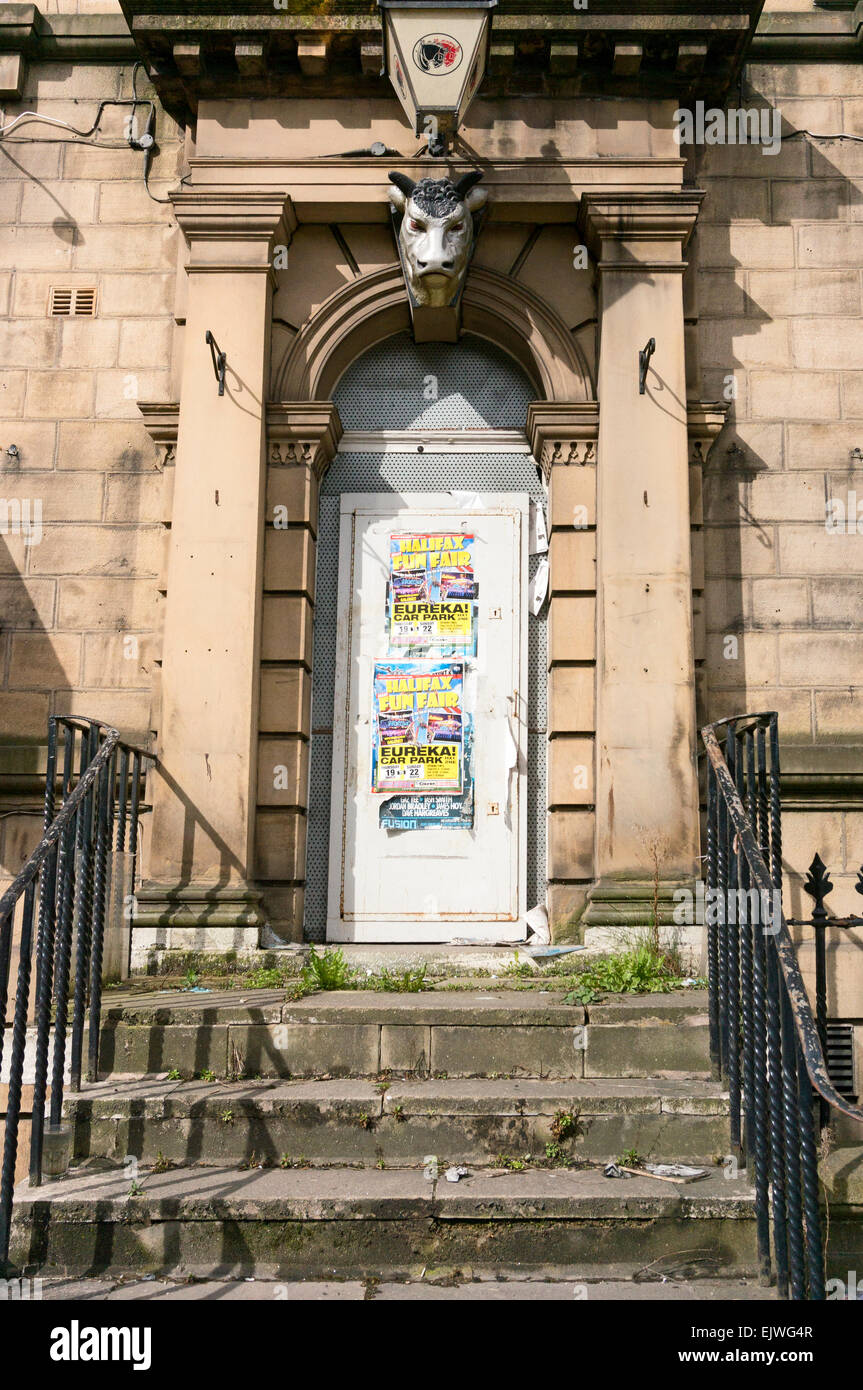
point(349, 1223)
point(628, 1285)
point(355, 1033)
point(354, 1121)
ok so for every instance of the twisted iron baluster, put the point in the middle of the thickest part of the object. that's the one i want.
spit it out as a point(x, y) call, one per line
point(761, 926)
point(746, 927)
point(791, 1109)
point(44, 967)
point(775, 806)
point(762, 799)
point(83, 918)
point(66, 893)
point(16, 1070)
point(732, 971)
point(809, 1163)
point(103, 840)
point(713, 1002)
point(777, 1116)
point(120, 845)
point(722, 848)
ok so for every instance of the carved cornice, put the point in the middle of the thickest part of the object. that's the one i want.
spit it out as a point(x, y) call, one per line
point(562, 432)
point(229, 49)
point(303, 432)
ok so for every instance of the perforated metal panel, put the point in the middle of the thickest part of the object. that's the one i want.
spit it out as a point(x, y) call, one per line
point(469, 386)
point(404, 385)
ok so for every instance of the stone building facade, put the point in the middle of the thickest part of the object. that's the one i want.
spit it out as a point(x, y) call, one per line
point(692, 575)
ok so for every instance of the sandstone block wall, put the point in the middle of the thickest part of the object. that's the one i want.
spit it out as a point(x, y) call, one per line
point(81, 596)
point(779, 251)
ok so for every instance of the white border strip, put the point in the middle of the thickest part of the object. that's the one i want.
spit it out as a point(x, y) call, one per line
point(433, 442)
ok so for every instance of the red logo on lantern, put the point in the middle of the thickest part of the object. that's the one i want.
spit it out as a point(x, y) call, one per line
point(437, 54)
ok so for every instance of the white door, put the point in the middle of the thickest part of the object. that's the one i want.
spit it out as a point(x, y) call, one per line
point(429, 807)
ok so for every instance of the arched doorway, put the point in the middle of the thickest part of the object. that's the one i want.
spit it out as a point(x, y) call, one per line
point(433, 443)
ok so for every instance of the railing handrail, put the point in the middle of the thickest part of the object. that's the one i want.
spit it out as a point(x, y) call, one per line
point(63, 816)
point(68, 873)
point(804, 1019)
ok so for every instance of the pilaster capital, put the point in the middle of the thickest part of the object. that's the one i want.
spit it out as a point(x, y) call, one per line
point(303, 432)
point(639, 231)
point(233, 229)
point(562, 432)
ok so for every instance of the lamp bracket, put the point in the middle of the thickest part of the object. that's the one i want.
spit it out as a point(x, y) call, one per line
point(220, 361)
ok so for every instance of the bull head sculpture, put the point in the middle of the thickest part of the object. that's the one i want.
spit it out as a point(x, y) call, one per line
point(436, 231)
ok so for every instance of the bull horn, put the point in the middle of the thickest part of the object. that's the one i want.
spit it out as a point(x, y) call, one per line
point(402, 181)
point(466, 182)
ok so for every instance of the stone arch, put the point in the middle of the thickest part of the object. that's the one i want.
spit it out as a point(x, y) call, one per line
point(375, 306)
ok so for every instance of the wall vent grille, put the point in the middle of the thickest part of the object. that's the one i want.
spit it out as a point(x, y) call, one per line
point(65, 302)
point(840, 1058)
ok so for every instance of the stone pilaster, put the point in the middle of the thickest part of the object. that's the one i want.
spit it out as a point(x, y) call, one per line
point(302, 439)
point(200, 875)
point(563, 439)
point(647, 829)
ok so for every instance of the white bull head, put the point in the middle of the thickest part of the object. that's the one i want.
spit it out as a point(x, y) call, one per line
point(436, 234)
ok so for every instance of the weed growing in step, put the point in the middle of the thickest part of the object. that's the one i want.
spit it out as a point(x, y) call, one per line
point(630, 1158)
point(556, 1157)
point(410, 981)
point(519, 968)
point(329, 971)
point(265, 978)
point(511, 1163)
point(564, 1125)
point(643, 970)
point(207, 1074)
point(162, 1164)
point(174, 1074)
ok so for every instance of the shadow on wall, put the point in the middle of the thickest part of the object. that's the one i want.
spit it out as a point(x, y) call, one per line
point(755, 274)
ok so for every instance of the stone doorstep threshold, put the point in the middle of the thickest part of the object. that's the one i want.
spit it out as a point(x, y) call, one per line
point(455, 958)
point(492, 1004)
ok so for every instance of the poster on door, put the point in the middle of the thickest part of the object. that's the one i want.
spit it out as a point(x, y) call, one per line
point(436, 810)
point(418, 726)
point(432, 592)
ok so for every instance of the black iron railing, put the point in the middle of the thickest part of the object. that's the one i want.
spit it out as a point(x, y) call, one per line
point(764, 1038)
point(54, 913)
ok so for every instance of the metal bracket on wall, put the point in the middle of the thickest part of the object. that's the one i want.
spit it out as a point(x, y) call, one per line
point(220, 361)
point(644, 357)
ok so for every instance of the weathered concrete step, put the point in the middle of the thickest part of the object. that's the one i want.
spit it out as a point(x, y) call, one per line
point(432, 1285)
point(352, 1121)
point(354, 1223)
point(359, 1033)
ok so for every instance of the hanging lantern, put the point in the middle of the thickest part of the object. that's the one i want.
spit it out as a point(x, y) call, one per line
point(436, 56)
